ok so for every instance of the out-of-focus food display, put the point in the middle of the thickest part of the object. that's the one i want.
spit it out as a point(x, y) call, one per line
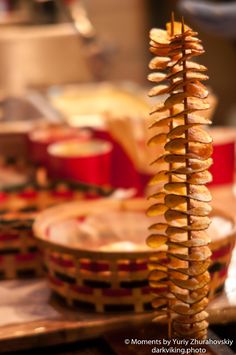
point(41, 137)
point(119, 111)
point(86, 161)
point(19, 205)
point(96, 255)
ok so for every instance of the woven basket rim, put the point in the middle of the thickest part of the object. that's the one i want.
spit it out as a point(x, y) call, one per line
point(74, 209)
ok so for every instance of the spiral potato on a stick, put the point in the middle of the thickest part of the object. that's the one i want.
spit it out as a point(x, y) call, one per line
point(179, 265)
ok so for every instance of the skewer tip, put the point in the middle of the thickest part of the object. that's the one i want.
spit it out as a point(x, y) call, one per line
point(172, 22)
point(182, 21)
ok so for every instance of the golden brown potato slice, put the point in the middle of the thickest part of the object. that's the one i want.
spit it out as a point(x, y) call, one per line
point(190, 329)
point(197, 134)
point(159, 62)
point(158, 196)
point(202, 178)
point(201, 254)
point(158, 90)
point(178, 30)
point(156, 240)
point(156, 209)
point(161, 176)
point(193, 319)
point(160, 51)
point(190, 297)
point(157, 139)
point(160, 226)
point(159, 36)
point(193, 66)
point(157, 77)
point(194, 270)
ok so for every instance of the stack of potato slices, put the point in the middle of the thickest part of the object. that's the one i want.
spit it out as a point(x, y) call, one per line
point(179, 265)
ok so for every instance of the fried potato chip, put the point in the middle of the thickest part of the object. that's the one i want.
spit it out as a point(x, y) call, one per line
point(157, 77)
point(200, 165)
point(197, 134)
point(194, 103)
point(156, 240)
point(196, 76)
point(161, 122)
point(172, 200)
point(193, 319)
point(196, 269)
point(159, 303)
point(157, 266)
point(172, 215)
point(157, 139)
point(202, 209)
point(200, 149)
point(160, 51)
point(159, 108)
point(202, 178)
point(178, 131)
point(176, 61)
point(158, 226)
point(176, 158)
point(159, 63)
point(159, 256)
point(159, 161)
point(199, 192)
point(177, 144)
point(158, 196)
point(187, 47)
point(193, 118)
point(190, 297)
point(183, 170)
point(156, 209)
point(193, 284)
point(159, 36)
point(158, 90)
point(197, 89)
point(200, 255)
point(178, 29)
point(161, 176)
point(176, 188)
point(184, 310)
point(191, 66)
point(189, 243)
point(156, 275)
point(190, 329)
point(197, 223)
point(175, 99)
point(157, 284)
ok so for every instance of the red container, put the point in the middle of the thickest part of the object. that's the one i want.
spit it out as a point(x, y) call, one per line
point(88, 161)
point(223, 168)
point(40, 139)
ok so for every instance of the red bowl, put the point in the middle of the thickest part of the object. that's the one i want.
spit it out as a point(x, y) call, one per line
point(224, 145)
point(85, 161)
point(40, 139)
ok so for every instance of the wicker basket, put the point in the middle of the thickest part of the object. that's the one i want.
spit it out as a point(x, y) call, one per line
point(19, 255)
point(106, 281)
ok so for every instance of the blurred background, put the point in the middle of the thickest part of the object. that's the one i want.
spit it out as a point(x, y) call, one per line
point(39, 45)
point(83, 65)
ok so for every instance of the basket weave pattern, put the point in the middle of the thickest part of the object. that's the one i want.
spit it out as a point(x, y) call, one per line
point(19, 254)
point(110, 281)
